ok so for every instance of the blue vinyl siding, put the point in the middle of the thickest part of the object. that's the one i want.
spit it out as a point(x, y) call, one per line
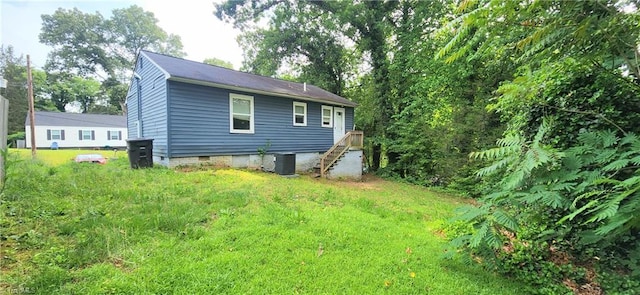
point(154, 106)
point(132, 110)
point(199, 124)
point(348, 119)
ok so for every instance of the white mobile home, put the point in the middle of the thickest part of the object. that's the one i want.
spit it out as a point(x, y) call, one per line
point(73, 130)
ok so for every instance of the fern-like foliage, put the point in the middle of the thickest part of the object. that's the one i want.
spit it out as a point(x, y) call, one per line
point(610, 193)
point(517, 158)
point(473, 14)
point(541, 30)
point(594, 188)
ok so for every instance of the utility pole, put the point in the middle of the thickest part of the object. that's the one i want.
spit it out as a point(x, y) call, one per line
point(4, 113)
point(32, 116)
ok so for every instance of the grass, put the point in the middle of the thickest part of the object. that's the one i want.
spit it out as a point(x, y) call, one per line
point(59, 157)
point(96, 229)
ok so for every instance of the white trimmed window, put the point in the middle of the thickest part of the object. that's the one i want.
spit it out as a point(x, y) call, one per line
point(114, 135)
point(327, 116)
point(299, 114)
point(86, 135)
point(241, 113)
point(55, 134)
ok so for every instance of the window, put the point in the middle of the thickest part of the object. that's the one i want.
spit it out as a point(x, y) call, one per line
point(114, 135)
point(299, 114)
point(86, 135)
point(55, 134)
point(327, 116)
point(241, 113)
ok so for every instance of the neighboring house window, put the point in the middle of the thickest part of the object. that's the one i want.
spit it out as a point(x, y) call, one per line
point(241, 113)
point(54, 134)
point(299, 114)
point(327, 116)
point(86, 135)
point(114, 135)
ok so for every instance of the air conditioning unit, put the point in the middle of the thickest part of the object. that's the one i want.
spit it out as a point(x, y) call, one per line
point(285, 163)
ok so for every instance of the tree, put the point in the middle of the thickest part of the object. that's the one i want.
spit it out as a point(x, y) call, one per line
point(555, 41)
point(597, 31)
point(65, 90)
point(564, 177)
point(91, 46)
point(304, 42)
point(86, 92)
point(133, 29)
point(80, 42)
point(437, 110)
point(13, 69)
point(42, 97)
point(60, 91)
point(116, 93)
point(218, 62)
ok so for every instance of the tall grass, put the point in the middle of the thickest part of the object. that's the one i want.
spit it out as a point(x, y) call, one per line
point(96, 229)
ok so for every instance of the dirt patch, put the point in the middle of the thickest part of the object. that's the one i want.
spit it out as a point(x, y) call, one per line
point(585, 289)
point(368, 182)
point(121, 264)
point(198, 167)
point(212, 219)
point(591, 287)
point(440, 233)
point(118, 263)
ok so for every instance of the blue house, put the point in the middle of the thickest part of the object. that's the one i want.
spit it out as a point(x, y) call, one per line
point(198, 113)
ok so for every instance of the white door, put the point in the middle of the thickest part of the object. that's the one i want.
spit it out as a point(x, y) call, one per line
point(338, 124)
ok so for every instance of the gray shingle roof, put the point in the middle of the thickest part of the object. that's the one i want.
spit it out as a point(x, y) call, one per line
point(191, 71)
point(78, 120)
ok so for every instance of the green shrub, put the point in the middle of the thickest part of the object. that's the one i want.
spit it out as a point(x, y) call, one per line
point(581, 201)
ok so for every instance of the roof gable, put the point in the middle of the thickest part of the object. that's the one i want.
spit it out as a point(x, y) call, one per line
point(78, 120)
point(179, 69)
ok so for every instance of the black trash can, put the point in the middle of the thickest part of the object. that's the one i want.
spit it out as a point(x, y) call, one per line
point(285, 163)
point(140, 151)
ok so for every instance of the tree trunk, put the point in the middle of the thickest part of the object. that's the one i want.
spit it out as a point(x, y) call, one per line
point(123, 107)
point(376, 152)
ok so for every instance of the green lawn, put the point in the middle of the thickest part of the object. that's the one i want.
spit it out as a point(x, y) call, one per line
point(59, 157)
point(95, 229)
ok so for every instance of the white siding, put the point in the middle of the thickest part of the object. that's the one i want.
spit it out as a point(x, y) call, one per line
point(72, 138)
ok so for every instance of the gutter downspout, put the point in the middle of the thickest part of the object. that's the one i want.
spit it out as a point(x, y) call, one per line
point(139, 88)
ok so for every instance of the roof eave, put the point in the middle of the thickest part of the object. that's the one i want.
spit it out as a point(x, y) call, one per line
point(237, 88)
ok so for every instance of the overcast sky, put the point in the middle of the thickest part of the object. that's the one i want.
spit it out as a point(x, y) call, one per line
point(203, 35)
